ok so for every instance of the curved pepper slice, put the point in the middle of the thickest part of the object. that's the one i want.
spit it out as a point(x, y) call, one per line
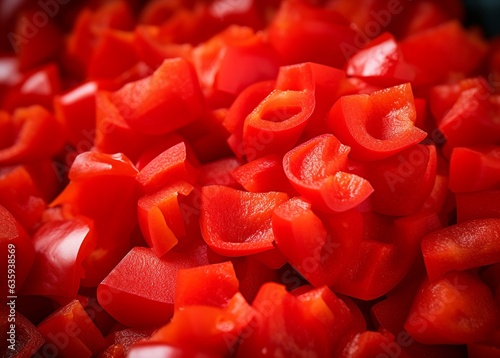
point(237, 223)
point(60, 249)
point(242, 106)
point(475, 169)
point(279, 120)
point(458, 308)
point(378, 125)
point(168, 99)
point(315, 169)
point(160, 217)
point(461, 247)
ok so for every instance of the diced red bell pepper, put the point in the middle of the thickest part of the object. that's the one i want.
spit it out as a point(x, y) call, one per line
point(152, 48)
point(143, 280)
point(461, 247)
point(443, 97)
point(71, 333)
point(381, 62)
point(113, 54)
point(458, 308)
point(307, 42)
point(378, 125)
point(76, 110)
point(473, 120)
point(23, 338)
point(144, 104)
point(277, 123)
point(220, 172)
point(20, 196)
point(294, 326)
point(113, 134)
point(212, 285)
point(478, 205)
point(475, 169)
point(160, 217)
point(14, 243)
point(262, 175)
point(242, 106)
point(373, 344)
point(361, 255)
point(402, 182)
point(37, 87)
point(232, 60)
point(174, 164)
point(60, 249)
point(441, 52)
point(250, 217)
point(317, 170)
point(208, 136)
point(35, 45)
point(37, 135)
point(122, 340)
point(211, 330)
point(103, 188)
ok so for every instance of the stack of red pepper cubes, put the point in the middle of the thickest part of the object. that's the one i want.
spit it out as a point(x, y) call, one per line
point(249, 178)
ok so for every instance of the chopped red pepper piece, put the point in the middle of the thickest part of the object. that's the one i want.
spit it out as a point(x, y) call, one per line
point(144, 103)
point(376, 126)
point(249, 213)
point(317, 171)
point(461, 247)
point(456, 309)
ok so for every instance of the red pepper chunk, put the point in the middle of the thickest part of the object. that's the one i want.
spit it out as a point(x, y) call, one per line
point(381, 62)
point(174, 164)
point(279, 120)
point(27, 337)
point(461, 247)
point(143, 280)
point(475, 169)
point(211, 330)
point(160, 217)
point(316, 170)
point(168, 99)
point(37, 135)
point(403, 181)
point(378, 125)
point(458, 308)
point(14, 242)
point(237, 223)
point(60, 250)
point(211, 285)
point(71, 332)
point(263, 174)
